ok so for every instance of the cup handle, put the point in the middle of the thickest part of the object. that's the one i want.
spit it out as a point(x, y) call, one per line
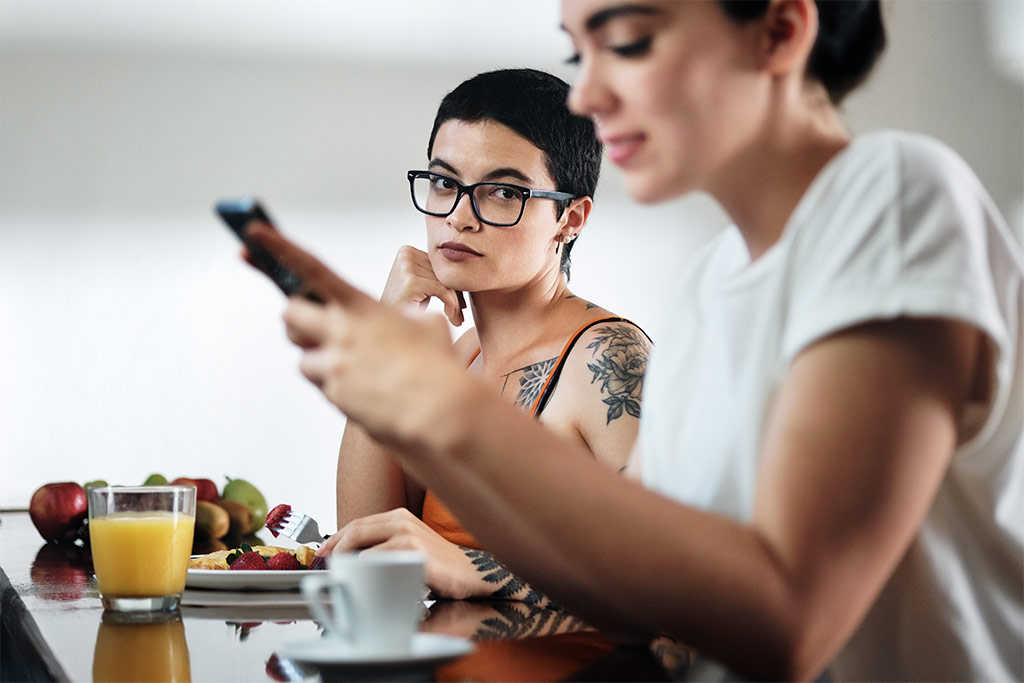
point(313, 588)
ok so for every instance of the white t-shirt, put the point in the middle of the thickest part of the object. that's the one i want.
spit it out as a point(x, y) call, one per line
point(895, 225)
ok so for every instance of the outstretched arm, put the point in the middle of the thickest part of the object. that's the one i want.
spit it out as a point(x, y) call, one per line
point(854, 454)
point(861, 434)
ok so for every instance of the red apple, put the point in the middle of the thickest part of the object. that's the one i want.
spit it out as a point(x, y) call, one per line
point(205, 488)
point(58, 510)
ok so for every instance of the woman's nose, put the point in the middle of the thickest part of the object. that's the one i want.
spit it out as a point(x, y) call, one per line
point(589, 95)
point(463, 217)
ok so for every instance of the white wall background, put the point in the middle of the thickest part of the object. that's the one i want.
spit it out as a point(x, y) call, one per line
point(133, 340)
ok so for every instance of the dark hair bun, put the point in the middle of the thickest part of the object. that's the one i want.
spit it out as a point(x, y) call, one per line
point(850, 39)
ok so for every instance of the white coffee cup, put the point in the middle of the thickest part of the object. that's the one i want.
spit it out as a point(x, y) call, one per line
point(370, 601)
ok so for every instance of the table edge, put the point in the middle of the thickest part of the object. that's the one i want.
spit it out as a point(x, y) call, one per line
point(24, 631)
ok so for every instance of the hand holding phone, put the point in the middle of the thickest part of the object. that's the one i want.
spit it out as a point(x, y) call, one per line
point(238, 214)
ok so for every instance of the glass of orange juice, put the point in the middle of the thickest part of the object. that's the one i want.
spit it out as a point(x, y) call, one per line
point(141, 539)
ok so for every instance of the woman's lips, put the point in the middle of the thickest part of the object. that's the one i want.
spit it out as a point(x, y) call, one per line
point(456, 251)
point(622, 147)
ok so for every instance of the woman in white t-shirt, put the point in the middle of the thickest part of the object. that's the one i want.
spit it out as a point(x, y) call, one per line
point(833, 423)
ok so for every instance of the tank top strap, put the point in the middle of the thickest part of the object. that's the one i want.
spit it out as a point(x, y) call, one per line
point(552, 380)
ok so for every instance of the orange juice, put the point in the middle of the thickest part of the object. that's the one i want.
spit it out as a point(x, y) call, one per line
point(141, 652)
point(141, 554)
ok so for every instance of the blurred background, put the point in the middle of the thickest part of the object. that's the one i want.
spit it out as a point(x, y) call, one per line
point(132, 338)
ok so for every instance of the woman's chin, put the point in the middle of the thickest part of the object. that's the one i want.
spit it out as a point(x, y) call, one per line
point(651, 188)
point(457, 282)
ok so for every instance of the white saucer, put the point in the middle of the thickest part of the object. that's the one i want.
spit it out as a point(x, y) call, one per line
point(427, 649)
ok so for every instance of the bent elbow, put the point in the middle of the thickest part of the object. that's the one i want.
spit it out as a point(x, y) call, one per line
point(789, 645)
point(801, 654)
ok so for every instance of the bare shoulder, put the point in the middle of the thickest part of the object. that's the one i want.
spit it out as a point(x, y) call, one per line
point(613, 357)
point(600, 391)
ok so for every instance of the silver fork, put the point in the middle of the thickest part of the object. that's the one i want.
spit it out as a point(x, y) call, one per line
point(300, 528)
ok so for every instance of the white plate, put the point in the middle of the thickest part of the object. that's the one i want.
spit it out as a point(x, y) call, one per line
point(246, 580)
point(328, 653)
point(236, 600)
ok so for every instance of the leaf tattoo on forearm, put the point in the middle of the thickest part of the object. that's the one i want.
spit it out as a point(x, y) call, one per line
point(620, 368)
point(509, 585)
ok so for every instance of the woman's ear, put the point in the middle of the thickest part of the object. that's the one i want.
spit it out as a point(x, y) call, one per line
point(790, 28)
point(575, 216)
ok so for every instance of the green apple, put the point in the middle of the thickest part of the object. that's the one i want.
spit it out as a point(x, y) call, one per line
point(155, 480)
point(96, 483)
point(248, 495)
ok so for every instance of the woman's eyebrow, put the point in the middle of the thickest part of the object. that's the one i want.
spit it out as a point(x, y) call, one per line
point(441, 163)
point(504, 172)
point(597, 20)
point(508, 172)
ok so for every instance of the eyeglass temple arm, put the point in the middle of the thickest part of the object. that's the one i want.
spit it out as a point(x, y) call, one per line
point(549, 194)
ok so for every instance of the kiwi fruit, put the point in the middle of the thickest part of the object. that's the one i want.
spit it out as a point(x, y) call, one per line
point(212, 521)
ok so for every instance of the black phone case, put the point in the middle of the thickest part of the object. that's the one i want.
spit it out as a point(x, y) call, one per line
point(238, 213)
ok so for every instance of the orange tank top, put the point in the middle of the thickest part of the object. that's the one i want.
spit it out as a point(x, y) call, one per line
point(435, 515)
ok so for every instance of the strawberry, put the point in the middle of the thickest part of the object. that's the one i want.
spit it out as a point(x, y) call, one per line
point(277, 516)
point(283, 561)
point(248, 560)
point(278, 670)
point(318, 563)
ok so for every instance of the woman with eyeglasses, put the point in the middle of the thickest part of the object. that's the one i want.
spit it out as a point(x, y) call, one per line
point(507, 190)
point(832, 447)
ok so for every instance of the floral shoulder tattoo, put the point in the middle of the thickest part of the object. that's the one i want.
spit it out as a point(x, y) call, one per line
point(620, 361)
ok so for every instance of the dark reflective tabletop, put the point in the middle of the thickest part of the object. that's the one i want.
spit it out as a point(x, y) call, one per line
point(55, 628)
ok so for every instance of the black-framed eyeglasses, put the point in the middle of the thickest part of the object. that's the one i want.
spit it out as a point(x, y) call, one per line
point(498, 204)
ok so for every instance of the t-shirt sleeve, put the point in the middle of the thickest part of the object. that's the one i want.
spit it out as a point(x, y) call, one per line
point(899, 230)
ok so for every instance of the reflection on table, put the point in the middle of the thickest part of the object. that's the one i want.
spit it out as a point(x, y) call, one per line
point(148, 647)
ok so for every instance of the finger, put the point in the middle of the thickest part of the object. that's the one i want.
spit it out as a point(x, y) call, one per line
point(418, 289)
point(396, 543)
point(315, 275)
point(307, 323)
point(452, 305)
point(315, 366)
point(328, 545)
point(363, 533)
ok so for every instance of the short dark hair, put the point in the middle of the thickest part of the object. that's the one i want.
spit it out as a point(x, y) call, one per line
point(850, 39)
point(533, 104)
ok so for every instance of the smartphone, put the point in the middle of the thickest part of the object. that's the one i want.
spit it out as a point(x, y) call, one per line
point(238, 213)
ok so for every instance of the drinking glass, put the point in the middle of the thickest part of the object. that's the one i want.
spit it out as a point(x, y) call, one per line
point(141, 539)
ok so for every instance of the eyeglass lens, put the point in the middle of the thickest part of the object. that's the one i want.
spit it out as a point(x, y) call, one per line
point(494, 202)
